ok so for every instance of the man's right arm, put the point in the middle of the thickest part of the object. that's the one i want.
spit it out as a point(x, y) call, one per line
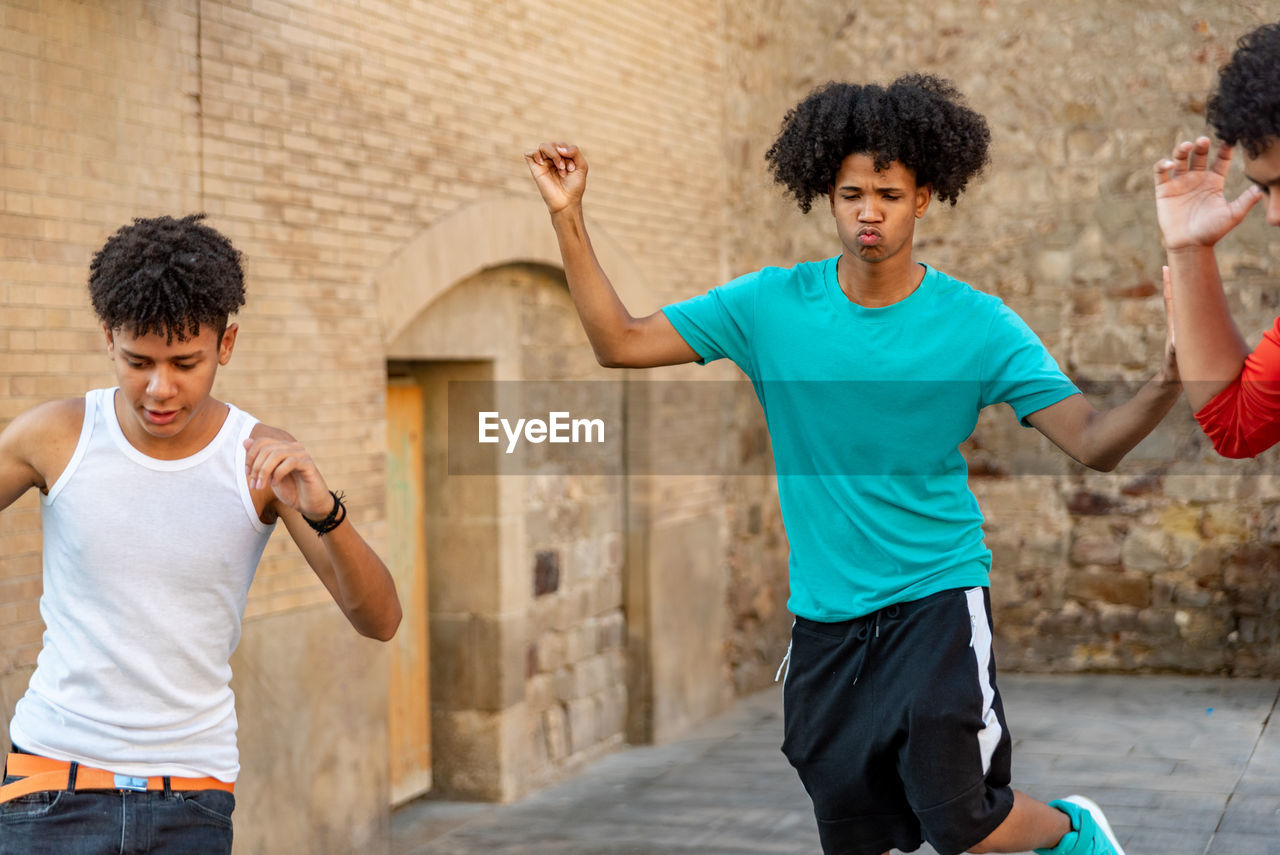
point(36, 446)
point(1194, 215)
point(618, 339)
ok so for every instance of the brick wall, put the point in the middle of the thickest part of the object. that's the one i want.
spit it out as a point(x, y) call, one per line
point(321, 138)
point(333, 134)
point(87, 141)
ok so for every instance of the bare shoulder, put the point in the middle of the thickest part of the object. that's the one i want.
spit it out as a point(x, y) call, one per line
point(50, 421)
point(43, 438)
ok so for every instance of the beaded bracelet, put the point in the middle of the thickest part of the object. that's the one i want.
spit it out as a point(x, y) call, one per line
point(333, 520)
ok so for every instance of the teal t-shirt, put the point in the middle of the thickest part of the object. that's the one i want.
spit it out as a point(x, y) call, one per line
point(866, 410)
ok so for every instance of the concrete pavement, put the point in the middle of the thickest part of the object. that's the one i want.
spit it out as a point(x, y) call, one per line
point(1182, 766)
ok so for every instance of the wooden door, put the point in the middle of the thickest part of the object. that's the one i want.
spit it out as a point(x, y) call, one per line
point(409, 705)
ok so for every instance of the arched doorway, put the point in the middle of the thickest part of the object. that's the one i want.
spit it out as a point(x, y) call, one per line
point(515, 594)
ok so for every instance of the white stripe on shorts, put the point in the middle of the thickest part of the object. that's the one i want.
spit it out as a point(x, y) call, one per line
point(980, 641)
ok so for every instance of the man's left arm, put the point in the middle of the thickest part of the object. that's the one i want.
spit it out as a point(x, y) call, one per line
point(1101, 438)
point(355, 576)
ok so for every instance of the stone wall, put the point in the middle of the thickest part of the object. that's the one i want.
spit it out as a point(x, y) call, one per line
point(529, 676)
point(1169, 563)
point(576, 689)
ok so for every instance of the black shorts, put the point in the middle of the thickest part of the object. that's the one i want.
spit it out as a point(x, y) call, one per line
point(896, 728)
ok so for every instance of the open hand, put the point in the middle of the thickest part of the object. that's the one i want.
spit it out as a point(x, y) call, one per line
point(1190, 205)
point(560, 171)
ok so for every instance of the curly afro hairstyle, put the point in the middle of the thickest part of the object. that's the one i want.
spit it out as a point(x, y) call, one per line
point(166, 276)
point(919, 120)
point(1246, 106)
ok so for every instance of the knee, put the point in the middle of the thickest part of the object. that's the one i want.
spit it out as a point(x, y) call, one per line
point(999, 840)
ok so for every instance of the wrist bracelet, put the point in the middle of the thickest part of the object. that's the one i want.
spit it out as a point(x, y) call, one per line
point(333, 520)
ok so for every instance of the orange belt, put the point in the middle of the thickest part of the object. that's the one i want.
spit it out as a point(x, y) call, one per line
point(41, 774)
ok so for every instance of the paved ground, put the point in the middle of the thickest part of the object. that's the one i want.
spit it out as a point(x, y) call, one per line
point(1182, 767)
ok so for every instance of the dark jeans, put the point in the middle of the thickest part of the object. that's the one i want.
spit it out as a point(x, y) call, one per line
point(117, 823)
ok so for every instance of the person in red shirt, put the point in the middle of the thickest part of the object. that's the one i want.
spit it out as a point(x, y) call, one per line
point(1234, 393)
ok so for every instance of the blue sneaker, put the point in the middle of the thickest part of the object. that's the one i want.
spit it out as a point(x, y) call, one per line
point(1090, 832)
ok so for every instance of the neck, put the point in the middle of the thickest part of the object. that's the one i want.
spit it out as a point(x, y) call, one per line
point(877, 285)
point(203, 426)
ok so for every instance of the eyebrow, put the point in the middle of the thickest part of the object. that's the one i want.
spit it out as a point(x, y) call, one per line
point(175, 358)
point(890, 188)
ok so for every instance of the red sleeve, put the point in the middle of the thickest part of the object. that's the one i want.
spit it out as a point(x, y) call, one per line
point(1243, 420)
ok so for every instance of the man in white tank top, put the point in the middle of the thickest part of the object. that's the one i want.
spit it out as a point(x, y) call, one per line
point(156, 502)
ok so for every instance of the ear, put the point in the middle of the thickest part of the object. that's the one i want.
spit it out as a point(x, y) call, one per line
point(111, 341)
point(831, 198)
point(924, 194)
point(227, 344)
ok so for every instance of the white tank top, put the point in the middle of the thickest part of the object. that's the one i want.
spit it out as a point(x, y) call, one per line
point(147, 564)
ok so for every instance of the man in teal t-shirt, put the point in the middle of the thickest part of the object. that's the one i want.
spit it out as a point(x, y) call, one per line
point(877, 510)
point(872, 369)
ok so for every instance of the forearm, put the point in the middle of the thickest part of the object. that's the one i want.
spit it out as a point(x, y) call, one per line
point(361, 584)
point(1211, 351)
point(604, 318)
point(1109, 435)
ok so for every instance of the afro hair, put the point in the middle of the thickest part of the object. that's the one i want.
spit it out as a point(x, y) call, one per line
point(166, 276)
point(918, 120)
point(1246, 106)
